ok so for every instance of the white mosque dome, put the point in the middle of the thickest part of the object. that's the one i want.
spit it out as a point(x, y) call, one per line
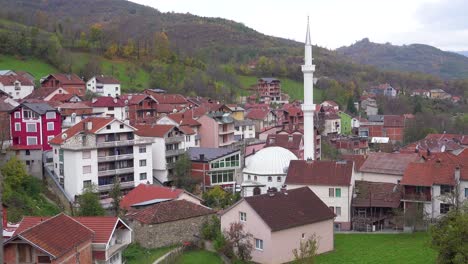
point(269, 161)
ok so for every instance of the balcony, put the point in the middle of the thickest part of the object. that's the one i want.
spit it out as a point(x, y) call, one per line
point(176, 139)
point(227, 131)
point(170, 165)
point(121, 143)
point(123, 185)
point(174, 152)
point(417, 197)
point(115, 157)
point(227, 143)
point(115, 172)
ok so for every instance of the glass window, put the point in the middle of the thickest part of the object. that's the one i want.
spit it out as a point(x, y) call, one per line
point(258, 244)
point(270, 179)
point(142, 150)
point(50, 115)
point(17, 126)
point(31, 127)
point(31, 141)
point(444, 208)
point(17, 115)
point(338, 192)
point(27, 114)
point(466, 192)
point(87, 184)
point(243, 216)
point(444, 189)
point(87, 169)
point(143, 176)
point(331, 192)
point(142, 163)
point(50, 126)
point(86, 154)
point(338, 211)
point(278, 179)
point(49, 138)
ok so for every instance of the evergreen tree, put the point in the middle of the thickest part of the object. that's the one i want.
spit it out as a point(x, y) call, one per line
point(89, 203)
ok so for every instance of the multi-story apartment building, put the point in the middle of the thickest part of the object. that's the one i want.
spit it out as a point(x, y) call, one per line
point(16, 86)
point(141, 107)
point(104, 86)
point(245, 129)
point(168, 144)
point(98, 150)
point(33, 125)
point(217, 130)
point(269, 90)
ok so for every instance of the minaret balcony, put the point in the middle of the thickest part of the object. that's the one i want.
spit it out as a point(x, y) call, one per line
point(308, 68)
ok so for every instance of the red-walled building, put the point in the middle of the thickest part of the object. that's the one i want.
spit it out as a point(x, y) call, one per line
point(69, 82)
point(33, 125)
point(216, 166)
point(141, 107)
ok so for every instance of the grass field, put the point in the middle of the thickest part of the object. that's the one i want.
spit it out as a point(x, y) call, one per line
point(199, 257)
point(36, 67)
point(380, 248)
point(135, 254)
point(295, 89)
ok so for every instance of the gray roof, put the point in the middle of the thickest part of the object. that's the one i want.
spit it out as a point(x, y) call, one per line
point(40, 108)
point(223, 118)
point(7, 72)
point(269, 79)
point(245, 122)
point(210, 153)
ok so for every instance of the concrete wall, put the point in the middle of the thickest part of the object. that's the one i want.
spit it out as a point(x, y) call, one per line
point(166, 234)
point(378, 177)
point(208, 132)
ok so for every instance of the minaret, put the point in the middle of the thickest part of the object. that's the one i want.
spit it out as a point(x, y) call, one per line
point(308, 106)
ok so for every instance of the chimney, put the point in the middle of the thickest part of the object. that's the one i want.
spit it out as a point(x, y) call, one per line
point(290, 138)
point(173, 188)
point(270, 192)
point(284, 189)
point(202, 156)
point(89, 125)
point(115, 100)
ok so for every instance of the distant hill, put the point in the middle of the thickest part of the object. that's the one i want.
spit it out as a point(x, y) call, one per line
point(415, 58)
point(464, 53)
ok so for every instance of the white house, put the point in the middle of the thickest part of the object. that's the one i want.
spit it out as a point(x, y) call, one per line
point(385, 167)
point(244, 129)
point(332, 124)
point(110, 107)
point(104, 86)
point(186, 124)
point(98, 150)
point(266, 169)
point(16, 86)
point(331, 181)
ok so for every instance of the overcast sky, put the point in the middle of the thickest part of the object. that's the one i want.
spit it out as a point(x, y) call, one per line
point(336, 23)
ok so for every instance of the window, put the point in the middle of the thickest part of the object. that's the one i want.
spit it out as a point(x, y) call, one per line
point(331, 192)
point(466, 192)
point(444, 208)
point(28, 152)
point(115, 258)
point(86, 154)
point(222, 177)
point(142, 150)
point(28, 162)
point(31, 141)
point(17, 115)
point(243, 216)
point(108, 127)
point(51, 115)
point(31, 127)
point(50, 126)
point(303, 235)
point(87, 169)
point(43, 259)
point(255, 178)
point(28, 114)
point(250, 177)
point(116, 89)
point(17, 126)
point(270, 179)
point(332, 208)
point(121, 126)
point(338, 192)
point(49, 138)
point(258, 244)
point(143, 163)
point(444, 189)
point(278, 179)
point(87, 184)
point(187, 138)
point(110, 108)
point(143, 176)
point(338, 211)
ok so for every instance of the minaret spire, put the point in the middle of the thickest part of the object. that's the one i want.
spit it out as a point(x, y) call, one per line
point(308, 107)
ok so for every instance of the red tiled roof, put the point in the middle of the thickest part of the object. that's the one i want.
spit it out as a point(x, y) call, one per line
point(108, 101)
point(299, 207)
point(167, 108)
point(388, 163)
point(169, 211)
point(357, 159)
point(428, 174)
point(67, 78)
point(135, 98)
point(257, 114)
point(198, 111)
point(43, 92)
point(147, 192)
point(394, 121)
point(331, 103)
point(80, 91)
point(290, 142)
point(184, 119)
point(153, 130)
point(326, 173)
point(9, 80)
point(163, 98)
point(97, 124)
point(57, 235)
point(377, 194)
point(186, 130)
point(103, 226)
point(107, 80)
point(62, 97)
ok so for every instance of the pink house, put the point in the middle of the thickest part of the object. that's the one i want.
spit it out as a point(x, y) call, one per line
point(279, 221)
point(217, 130)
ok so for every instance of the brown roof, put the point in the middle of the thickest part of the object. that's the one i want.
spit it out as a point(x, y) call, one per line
point(296, 208)
point(107, 80)
point(394, 121)
point(163, 98)
point(169, 211)
point(357, 159)
point(376, 194)
point(64, 78)
point(186, 130)
point(388, 163)
point(328, 173)
point(257, 114)
point(428, 174)
point(57, 235)
point(135, 98)
point(9, 80)
point(290, 142)
point(107, 101)
point(153, 130)
point(97, 124)
point(41, 93)
point(62, 97)
point(184, 119)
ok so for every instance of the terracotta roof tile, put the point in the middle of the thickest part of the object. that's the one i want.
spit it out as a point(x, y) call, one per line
point(153, 130)
point(134, 98)
point(103, 226)
point(64, 78)
point(108, 101)
point(9, 80)
point(325, 173)
point(43, 92)
point(299, 207)
point(388, 163)
point(187, 130)
point(147, 192)
point(107, 80)
point(97, 124)
point(291, 142)
point(169, 211)
point(164, 98)
point(377, 194)
point(428, 174)
point(357, 159)
point(62, 97)
point(257, 114)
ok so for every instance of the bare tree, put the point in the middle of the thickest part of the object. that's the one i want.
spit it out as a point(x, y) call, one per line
point(307, 250)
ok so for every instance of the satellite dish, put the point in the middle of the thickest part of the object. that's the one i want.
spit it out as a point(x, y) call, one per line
point(174, 110)
point(73, 115)
point(126, 102)
point(64, 136)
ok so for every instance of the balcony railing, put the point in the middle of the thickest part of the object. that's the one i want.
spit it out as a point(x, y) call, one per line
point(170, 165)
point(115, 157)
point(228, 131)
point(227, 143)
point(175, 139)
point(174, 152)
point(119, 143)
point(116, 171)
point(123, 185)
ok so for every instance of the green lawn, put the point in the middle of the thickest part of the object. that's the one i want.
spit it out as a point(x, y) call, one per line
point(36, 67)
point(199, 257)
point(135, 254)
point(380, 248)
point(294, 88)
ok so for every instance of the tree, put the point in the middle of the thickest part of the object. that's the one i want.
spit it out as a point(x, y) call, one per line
point(129, 49)
point(239, 240)
point(329, 152)
point(116, 195)
point(449, 236)
point(89, 203)
point(218, 198)
point(307, 251)
point(162, 46)
point(112, 51)
point(350, 106)
point(182, 178)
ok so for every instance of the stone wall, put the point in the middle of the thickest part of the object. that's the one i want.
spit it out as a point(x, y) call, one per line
point(166, 234)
